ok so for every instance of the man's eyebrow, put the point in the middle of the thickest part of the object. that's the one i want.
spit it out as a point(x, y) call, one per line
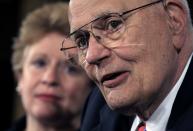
point(96, 17)
point(104, 13)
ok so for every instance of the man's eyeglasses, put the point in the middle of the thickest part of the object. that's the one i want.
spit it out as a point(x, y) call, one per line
point(106, 30)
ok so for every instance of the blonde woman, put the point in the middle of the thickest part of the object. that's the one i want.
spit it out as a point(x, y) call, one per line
point(52, 86)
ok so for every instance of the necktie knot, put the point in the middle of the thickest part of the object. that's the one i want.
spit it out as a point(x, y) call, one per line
point(141, 127)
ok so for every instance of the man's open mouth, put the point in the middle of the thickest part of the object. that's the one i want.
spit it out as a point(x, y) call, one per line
point(114, 79)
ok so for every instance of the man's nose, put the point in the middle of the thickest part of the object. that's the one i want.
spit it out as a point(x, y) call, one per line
point(96, 51)
point(51, 77)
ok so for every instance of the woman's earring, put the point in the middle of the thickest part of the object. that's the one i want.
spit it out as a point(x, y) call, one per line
point(18, 89)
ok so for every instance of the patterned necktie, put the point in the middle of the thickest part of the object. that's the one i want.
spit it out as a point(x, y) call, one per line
point(141, 127)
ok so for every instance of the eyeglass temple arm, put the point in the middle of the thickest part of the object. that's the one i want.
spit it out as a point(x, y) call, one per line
point(63, 49)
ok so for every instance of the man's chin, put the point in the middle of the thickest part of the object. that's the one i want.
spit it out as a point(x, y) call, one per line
point(126, 109)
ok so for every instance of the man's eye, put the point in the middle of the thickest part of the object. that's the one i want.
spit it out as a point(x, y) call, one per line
point(81, 42)
point(81, 39)
point(113, 25)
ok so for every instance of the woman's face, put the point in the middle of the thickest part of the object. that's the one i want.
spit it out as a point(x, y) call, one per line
point(51, 85)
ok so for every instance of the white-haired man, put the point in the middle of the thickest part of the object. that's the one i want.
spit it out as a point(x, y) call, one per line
point(139, 52)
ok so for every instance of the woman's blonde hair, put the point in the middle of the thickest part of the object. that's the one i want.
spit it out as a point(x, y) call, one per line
point(49, 18)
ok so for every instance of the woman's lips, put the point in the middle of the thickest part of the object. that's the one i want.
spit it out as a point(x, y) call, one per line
point(114, 79)
point(48, 97)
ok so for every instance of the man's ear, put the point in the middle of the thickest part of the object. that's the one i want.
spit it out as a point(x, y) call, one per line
point(178, 19)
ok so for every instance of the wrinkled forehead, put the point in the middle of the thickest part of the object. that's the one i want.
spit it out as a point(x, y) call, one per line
point(82, 12)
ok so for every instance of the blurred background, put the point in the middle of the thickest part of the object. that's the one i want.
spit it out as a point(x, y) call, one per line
point(12, 12)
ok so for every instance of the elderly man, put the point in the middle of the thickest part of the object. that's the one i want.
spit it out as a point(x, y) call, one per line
point(139, 53)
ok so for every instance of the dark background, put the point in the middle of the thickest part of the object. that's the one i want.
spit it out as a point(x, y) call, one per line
point(12, 12)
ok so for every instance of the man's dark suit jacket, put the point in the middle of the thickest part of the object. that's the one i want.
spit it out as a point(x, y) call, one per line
point(97, 116)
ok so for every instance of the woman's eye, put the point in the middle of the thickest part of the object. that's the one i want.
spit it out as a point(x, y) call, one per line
point(72, 70)
point(39, 63)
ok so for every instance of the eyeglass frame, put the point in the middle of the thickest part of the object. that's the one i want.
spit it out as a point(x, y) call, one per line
point(120, 14)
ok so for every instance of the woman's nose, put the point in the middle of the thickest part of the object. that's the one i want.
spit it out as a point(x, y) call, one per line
point(51, 77)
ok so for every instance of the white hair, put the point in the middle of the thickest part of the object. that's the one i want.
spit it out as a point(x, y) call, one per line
point(185, 2)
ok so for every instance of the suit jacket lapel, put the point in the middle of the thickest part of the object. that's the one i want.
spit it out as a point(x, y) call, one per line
point(183, 105)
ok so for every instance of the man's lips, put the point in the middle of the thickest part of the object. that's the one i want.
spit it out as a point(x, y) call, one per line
point(113, 79)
